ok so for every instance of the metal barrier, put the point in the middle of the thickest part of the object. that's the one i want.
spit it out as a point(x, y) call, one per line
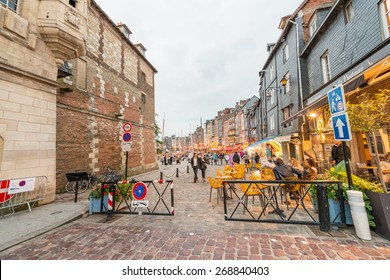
point(158, 201)
point(268, 202)
point(19, 191)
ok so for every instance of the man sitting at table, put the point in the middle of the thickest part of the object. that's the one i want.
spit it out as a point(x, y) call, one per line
point(283, 171)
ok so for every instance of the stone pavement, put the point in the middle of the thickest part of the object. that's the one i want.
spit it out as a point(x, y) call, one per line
point(197, 231)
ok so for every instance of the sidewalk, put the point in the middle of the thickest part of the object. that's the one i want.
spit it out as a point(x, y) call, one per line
point(24, 225)
point(21, 226)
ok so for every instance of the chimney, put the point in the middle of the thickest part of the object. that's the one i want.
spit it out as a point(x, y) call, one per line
point(141, 48)
point(125, 30)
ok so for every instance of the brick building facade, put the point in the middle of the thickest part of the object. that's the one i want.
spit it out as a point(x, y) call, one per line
point(111, 85)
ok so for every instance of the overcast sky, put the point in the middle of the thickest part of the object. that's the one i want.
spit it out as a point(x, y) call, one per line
point(207, 52)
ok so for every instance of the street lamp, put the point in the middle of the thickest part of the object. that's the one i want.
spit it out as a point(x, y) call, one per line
point(283, 83)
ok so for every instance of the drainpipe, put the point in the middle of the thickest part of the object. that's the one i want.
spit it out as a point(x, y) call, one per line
point(300, 82)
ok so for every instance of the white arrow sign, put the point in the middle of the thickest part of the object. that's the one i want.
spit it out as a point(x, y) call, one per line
point(340, 125)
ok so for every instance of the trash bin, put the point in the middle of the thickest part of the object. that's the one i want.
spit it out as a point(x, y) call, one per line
point(359, 215)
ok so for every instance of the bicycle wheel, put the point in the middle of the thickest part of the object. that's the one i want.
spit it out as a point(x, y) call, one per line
point(82, 186)
point(69, 186)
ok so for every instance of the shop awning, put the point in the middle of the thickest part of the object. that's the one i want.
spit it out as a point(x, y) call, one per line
point(376, 73)
point(262, 141)
point(283, 138)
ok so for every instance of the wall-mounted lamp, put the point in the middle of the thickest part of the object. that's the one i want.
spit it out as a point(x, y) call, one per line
point(283, 81)
point(118, 115)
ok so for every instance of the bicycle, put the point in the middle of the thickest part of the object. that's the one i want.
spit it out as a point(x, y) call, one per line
point(111, 176)
point(83, 185)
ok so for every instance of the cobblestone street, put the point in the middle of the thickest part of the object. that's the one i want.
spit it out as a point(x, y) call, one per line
point(197, 231)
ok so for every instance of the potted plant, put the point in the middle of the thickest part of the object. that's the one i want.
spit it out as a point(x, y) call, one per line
point(99, 194)
point(368, 116)
point(358, 183)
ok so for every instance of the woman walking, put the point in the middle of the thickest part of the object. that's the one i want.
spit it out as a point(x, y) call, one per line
point(195, 165)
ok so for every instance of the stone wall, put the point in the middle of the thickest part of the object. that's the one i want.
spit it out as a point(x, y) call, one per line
point(27, 98)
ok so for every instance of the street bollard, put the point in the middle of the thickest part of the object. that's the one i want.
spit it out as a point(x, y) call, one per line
point(323, 208)
point(110, 204)
point(161, 176)
point(177, 172)
point(188, 169)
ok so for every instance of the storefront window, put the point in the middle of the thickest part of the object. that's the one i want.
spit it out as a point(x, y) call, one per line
point(379, 144)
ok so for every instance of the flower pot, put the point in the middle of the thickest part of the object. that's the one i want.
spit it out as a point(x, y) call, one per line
point(334, 212)
point(380, 203)
point(94, 205)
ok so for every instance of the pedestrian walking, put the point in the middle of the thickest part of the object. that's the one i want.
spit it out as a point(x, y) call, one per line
point(195, 166)
point(203, 166)
point(236, 158)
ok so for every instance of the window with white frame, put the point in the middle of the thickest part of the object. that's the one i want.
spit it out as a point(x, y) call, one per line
point(271, 73)
point(348, 12)
point(288, 85)
point(272, 95)
point(287, 114)
point(285, 53)
point(313, 25)
point(11, 4)
point(384, 11)
point(272, 122)
point(325, 67)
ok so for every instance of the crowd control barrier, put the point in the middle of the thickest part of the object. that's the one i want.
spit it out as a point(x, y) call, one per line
point(268, 202)
point(20, 191)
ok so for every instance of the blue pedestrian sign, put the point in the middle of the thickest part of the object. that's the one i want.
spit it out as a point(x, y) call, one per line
point(336, 99)
point(341, 127)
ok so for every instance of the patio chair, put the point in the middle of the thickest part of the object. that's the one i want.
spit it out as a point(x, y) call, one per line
point(252, 189)
point(215, 183)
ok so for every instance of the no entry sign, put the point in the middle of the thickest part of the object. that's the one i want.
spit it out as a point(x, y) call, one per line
point(139, 190)
point(127, 127)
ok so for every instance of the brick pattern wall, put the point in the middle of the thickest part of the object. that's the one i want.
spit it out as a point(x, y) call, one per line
point(89, 134)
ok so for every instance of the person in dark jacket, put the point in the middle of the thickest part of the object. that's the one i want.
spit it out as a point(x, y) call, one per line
point(283, 171)
point(236, 158)
point(203, 166)
point(195, 166)
point(337, 153)
point(257, 158)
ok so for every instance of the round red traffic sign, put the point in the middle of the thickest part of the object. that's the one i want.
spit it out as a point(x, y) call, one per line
point(126, 137)
point(139, 190)
point(127, 127)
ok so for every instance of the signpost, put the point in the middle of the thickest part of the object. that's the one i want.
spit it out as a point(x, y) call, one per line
point(139, 191)
point(341, 127)
point(340, 123)
point(126, 141)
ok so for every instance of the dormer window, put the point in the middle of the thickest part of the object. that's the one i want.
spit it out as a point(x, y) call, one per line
point(11, 4)
point(348, 12)
point(313, 25)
